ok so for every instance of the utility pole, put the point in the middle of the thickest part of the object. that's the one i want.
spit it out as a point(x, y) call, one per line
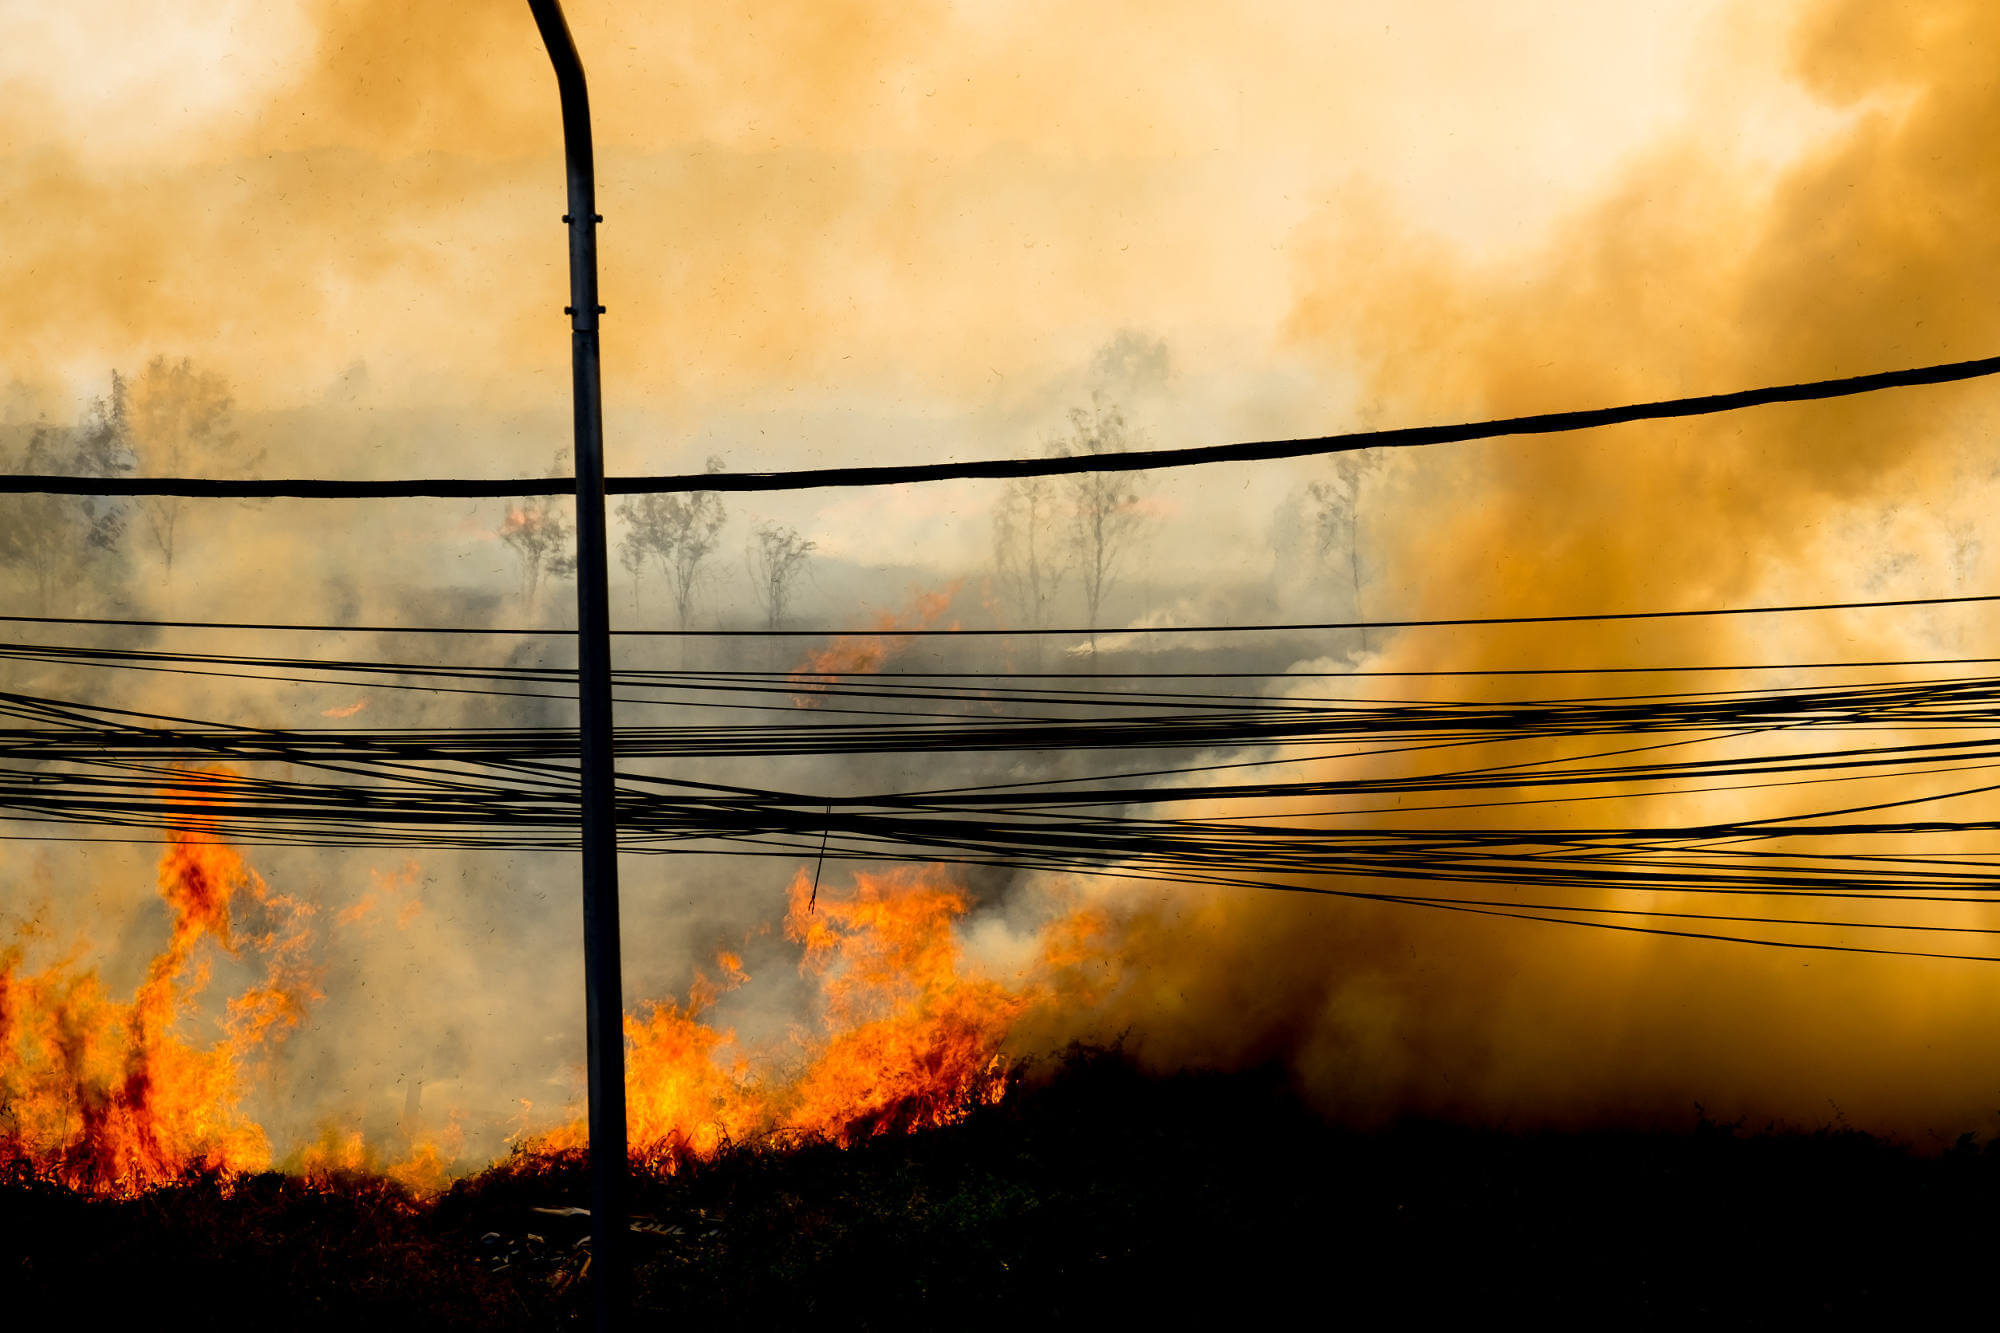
point(604, 1006)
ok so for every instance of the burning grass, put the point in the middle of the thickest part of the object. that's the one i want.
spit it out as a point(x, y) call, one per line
point(905, 1035)
point(900, 1032)
point(903, 1168)
point(110, 1096)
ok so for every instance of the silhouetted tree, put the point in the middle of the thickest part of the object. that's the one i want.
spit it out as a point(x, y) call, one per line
point(1032, 552)
point(180, 427)
point(1104, 513)
point(541, 534)
point(680, 532)
point(633, 557)
point(1337, 506)
point(65, 547)
point(776, 556)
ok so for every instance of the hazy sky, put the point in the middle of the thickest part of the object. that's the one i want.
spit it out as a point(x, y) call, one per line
point(912, 207)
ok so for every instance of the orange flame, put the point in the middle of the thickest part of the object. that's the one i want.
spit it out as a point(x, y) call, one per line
point(852, 654)
point(336, 1153)
point(905, 1035)
point(345, 1153)
point(903, 1032)
point(110, 1097)
point(398, 888)
point(911, 1040)
point(427, 1167)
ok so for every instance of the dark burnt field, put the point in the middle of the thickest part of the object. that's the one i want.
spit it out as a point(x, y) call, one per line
point(1096, 1195)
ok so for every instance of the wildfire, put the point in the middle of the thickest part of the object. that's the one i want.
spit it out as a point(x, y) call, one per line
point(902, 1031)
point(905, 1034)
point(112, 1097)
point(909, 1039)
point(855, 653)
point(338, 1152)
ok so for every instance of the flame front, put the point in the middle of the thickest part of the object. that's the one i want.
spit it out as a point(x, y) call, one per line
point(910, 1040)
point(860, 654)
point(111, 1097)
point(905, 1034)
point(902, 1032)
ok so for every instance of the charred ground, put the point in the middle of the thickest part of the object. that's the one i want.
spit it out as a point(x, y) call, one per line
point(1093, 1192)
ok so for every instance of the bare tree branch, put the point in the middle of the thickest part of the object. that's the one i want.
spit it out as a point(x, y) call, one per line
point(776, 557)
point(542, 535)
point(180, 426)
point(1104, 506)
point(680, 532)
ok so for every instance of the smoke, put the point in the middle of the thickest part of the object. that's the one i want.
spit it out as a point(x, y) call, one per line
point(838, 203)
point(853, 230)
point(1698, 271)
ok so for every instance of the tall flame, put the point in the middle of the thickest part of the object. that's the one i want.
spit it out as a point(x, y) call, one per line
point(909, 1039)
point(905, 1033)
point(113, 1097)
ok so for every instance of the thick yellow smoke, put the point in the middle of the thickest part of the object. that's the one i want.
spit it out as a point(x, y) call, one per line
point(1696, 273)
point(858, 198)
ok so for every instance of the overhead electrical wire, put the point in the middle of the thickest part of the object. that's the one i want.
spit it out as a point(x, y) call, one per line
point(1082, 631)
point(70, 764)
point(1406, 437)
point(69, 767)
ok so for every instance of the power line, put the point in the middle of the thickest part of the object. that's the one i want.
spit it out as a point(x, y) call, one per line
point(1101, 631)
point(513, 787)
point(93, 773)
point(803, 479)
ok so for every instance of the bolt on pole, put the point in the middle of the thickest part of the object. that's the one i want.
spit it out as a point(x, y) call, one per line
point(603, 985)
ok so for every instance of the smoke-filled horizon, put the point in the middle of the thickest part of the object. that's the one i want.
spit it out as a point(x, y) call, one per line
point(858, 233)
